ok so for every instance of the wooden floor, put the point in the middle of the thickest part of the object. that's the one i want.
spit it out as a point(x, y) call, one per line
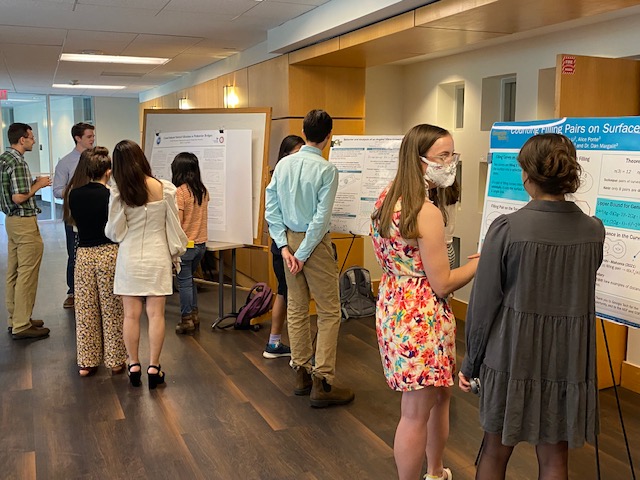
point(226, 413)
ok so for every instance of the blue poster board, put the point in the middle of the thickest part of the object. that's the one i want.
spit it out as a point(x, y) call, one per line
point(609, 154)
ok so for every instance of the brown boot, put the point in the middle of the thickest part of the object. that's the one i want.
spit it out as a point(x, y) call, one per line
point(324, 395)
point(186, 325)
point(303, 382)
point(32, 332)
point(195, 318)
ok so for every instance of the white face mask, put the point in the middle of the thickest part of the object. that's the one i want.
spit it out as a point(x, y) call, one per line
point(438, 174)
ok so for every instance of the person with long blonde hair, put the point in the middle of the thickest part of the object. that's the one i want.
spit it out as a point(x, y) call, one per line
point(415, 325)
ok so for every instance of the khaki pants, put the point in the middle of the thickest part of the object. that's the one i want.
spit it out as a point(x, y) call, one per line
point(318, 278)
point(23, 266)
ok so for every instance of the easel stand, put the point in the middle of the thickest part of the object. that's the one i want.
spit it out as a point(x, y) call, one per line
point(344, 262)
point(624, 430)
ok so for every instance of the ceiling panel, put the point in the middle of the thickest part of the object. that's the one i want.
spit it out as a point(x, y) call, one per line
point(160, 45)
point(109, 43)
point(211, 49)
point(49, 13)
point(215, 7)
point(31, 36)
point(150, 4)
point(184, 63)
point(279, 11)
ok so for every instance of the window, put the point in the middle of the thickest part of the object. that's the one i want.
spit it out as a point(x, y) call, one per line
point(508, 97)
point(459, 106)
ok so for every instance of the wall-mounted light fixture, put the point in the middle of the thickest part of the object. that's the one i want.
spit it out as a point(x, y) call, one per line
point(230, 96)
point(183, 104)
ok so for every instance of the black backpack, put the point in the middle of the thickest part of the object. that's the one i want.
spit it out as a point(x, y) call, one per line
point(356, 296)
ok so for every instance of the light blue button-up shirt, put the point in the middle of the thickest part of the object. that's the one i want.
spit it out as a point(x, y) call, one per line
point(64, 171)
point(300, 198)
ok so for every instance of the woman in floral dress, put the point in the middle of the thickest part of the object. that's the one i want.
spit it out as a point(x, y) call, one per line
point(415, 326)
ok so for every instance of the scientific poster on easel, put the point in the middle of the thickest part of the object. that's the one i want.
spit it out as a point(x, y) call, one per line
point(609, 153)
point(225, 166)
point(210, 147)
point(366, 165)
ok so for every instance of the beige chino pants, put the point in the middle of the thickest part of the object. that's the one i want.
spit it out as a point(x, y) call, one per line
point(25, 249)
point(318, 279)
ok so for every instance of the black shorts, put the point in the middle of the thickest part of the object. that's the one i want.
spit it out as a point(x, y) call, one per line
point(278, 269)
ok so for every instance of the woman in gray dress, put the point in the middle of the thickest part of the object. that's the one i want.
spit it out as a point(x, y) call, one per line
point(530, 326)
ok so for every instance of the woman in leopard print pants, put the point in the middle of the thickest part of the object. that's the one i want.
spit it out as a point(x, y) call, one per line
point(99, 313)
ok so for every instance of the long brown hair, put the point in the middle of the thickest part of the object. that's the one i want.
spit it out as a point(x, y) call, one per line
point(130, 171)
point(409, 183)
point(93, 164)
point(79, 179)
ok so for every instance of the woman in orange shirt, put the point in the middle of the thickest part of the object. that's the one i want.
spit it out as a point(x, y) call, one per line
point(193, 201)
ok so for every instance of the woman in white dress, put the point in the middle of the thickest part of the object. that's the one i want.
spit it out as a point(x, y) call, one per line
point(143, 219)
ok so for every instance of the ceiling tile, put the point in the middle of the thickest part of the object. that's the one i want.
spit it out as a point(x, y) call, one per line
point(109, 43)
point(215, 7)
point(160, 45)
point(32, 36)
point(278, 11)
point(184, 64)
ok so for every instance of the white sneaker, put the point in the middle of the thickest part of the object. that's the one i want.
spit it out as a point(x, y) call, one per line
point(446, 475)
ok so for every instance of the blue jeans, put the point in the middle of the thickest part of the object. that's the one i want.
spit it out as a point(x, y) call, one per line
point(186, 287)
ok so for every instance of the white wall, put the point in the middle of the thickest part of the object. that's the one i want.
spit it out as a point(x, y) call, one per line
point(116, 119)
point(525, 57)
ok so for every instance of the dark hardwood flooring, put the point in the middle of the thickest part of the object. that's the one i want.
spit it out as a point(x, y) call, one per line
point(226, 412)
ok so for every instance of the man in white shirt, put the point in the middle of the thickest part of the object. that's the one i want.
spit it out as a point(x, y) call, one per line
point(84, 136)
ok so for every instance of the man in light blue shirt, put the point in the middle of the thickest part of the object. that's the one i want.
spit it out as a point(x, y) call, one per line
point(299, 200)
point(84, 136)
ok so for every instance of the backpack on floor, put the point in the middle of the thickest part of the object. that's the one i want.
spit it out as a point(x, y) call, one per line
point(356, 295)
point(258, 303)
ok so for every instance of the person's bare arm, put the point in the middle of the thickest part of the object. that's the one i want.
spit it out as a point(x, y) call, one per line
point(39, 183)
point(433, 251)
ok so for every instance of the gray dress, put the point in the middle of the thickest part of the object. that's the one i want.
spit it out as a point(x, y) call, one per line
point(530, 328)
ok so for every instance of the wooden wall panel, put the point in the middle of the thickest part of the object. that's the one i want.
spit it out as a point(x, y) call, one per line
point(314, 51)
point(617, 339)
point(339, 91)
point(597, 87)
point(269, 86)
point(238, 79)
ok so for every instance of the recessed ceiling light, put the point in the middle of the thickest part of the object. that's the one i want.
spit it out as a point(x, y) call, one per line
point(92, 58)
point(94, 87)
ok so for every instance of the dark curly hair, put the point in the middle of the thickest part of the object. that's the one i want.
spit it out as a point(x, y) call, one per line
point(551, 163)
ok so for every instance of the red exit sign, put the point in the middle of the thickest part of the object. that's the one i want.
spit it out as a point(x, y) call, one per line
point(3, 94)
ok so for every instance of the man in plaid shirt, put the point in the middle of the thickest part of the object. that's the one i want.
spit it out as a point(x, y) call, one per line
point(17, 201)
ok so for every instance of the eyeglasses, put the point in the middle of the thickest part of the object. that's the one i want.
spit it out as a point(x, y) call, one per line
point(32, 137)
point(446, 158)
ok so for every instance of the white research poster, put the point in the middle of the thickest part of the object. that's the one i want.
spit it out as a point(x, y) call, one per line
point(210, 146)
point(608, 151)
point(366, 165)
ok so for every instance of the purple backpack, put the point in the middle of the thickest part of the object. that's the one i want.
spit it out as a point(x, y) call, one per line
point(258, 303)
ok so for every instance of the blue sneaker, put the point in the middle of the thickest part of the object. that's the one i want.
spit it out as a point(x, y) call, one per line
point(276, 351)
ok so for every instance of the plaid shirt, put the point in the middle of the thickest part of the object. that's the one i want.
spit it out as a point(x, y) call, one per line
point(15, 177)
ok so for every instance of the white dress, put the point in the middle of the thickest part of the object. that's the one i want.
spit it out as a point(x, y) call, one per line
point(150, 239)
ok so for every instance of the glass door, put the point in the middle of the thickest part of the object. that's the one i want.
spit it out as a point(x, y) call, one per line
point(51, 118)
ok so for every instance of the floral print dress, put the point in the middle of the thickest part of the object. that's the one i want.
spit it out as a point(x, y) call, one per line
point(416, 330)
